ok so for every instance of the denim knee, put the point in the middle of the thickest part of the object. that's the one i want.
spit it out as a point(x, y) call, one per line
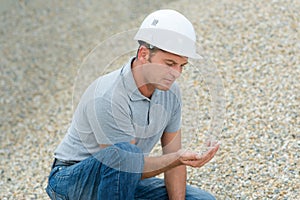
point(194, 193)
point(123, 156)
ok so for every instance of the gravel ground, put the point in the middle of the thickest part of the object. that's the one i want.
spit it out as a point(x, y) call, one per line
point(254, 46)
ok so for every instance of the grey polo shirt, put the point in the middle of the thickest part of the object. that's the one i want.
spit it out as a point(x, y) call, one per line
point(113, 110)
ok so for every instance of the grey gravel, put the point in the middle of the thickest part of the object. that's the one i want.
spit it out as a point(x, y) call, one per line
point(254, 46)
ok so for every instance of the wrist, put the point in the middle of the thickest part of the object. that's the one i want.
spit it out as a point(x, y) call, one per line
point(178, 161)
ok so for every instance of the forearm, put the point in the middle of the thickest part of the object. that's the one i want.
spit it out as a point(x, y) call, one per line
point(175, 180)
point(157, 165)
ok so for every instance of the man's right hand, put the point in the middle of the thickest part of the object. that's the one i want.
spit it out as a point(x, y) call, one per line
point(194, 159)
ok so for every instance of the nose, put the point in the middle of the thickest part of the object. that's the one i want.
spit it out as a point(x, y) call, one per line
point(176, 71)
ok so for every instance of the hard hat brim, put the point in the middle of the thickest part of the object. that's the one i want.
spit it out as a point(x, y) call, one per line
point(169, 41)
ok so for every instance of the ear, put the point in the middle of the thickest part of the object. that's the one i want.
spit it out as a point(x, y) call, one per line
point(143, 54)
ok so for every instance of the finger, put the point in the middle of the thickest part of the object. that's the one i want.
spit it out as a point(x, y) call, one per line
point(209, 153)
point(212, 143)
point(199, 162)
point(204, 160)
point(187, 155)
point(195, 163)
point(213, 150)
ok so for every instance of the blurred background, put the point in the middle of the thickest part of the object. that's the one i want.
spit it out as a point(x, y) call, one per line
point(254, 47)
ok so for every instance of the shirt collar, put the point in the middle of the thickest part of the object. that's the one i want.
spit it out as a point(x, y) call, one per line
point(129, 83)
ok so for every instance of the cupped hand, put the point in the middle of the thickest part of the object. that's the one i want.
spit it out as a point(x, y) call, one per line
point(194, 159)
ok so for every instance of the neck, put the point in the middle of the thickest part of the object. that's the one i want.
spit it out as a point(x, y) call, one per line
point(145, 88)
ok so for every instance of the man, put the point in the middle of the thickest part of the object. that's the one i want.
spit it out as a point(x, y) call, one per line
point(120, 118)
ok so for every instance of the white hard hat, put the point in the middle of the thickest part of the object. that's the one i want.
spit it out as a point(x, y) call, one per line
point(170, 31)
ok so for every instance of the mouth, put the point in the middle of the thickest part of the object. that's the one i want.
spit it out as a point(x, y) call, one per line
point(168, 81)
point(166, 84)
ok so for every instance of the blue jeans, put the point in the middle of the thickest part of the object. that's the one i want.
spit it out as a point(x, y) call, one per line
point(112, 173)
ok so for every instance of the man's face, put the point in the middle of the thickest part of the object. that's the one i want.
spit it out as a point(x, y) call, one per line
point(163, 68)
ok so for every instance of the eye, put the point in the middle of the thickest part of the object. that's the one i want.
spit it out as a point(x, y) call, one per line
point(170, 64)
point(184, 64)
